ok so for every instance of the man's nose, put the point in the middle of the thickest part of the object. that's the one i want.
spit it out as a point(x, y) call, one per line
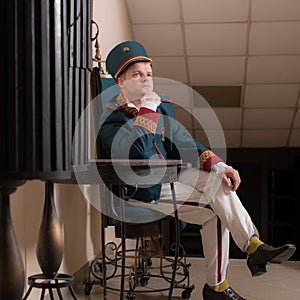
point(145, 77)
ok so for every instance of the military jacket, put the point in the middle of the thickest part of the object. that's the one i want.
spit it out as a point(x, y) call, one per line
point(126, 133)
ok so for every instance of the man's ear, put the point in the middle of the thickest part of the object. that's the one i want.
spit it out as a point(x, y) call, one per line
point(120, 81)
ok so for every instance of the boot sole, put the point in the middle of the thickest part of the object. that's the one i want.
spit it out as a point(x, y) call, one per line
point(284, 255)
point(257, 270)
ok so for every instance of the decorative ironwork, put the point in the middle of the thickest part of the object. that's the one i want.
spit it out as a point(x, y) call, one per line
point(143, 262)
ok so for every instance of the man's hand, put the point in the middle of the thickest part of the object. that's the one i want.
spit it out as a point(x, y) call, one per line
point(150, 100)
point(231, 178)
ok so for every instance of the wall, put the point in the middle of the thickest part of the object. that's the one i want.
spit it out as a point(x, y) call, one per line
point(113, 21)
point(80, 220)
point(255, 166)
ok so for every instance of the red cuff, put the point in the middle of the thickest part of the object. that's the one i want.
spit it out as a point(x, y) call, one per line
point(207, 159)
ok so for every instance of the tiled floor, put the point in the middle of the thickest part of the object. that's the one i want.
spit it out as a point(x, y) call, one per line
point(282, 282)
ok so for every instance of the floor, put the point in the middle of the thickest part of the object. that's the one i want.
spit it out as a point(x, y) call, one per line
point(282, 282)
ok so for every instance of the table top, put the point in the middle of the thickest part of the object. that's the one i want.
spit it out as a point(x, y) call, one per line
point(128, 171)
point(136, 162)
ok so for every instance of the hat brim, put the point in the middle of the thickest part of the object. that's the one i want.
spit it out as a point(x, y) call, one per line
point(129, 61)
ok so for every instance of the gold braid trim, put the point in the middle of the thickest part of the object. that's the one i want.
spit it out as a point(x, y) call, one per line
point(123, 104)
point(204, 157)
point(147, 123)
point(141, 121)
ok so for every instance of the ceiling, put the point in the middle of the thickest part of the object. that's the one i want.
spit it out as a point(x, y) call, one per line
point(252, 44)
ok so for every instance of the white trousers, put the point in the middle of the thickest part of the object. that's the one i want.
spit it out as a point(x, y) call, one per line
point(203, 199)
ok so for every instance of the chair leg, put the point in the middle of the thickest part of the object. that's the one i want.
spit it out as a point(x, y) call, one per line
point(73, 293)
point(59, 294)
point(28, 293)
point(123, 261)
point(123, 240)
point(177, 240)
point(51, 294)
point(58, 291)
point(43, 294)
point(103, 258)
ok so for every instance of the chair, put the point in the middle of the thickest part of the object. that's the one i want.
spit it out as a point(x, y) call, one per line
point(140, 259)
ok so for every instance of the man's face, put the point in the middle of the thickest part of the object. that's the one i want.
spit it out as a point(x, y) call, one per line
point(136, 81)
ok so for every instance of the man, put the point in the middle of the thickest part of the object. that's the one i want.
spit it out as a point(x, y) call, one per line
point(138, 123)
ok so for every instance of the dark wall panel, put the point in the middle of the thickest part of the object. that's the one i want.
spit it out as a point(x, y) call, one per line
point(46, 63)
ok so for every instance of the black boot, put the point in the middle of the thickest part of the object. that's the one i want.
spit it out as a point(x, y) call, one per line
point(257, 261)
point(228, 294)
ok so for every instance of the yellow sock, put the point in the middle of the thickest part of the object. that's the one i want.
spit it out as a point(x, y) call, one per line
point(221, 287)
point(255, 242)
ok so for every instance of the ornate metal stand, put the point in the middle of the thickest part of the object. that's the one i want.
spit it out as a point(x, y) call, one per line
point(44, 283)
point(138, 261)
point(142, 263)
point(11, 264)
point(50, 252)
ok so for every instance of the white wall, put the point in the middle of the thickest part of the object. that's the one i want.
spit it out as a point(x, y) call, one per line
point(80, 221)
point(113, 21)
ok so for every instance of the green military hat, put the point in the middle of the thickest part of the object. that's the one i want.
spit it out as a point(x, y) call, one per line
point(124, 54)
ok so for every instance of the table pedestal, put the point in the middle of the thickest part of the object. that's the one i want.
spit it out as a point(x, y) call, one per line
point(49, 252)
point(11, 264)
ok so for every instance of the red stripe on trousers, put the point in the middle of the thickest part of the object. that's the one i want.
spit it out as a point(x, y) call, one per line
point(219, 233)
